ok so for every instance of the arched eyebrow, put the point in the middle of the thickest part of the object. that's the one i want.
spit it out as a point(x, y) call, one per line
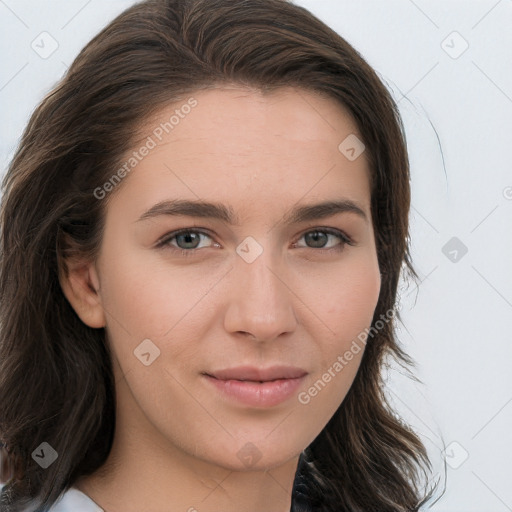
point(298, 214)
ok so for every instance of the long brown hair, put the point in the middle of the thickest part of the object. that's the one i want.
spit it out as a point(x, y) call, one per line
point(56, 378)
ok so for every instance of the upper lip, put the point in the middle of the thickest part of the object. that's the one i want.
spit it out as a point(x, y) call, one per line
point(259, 374)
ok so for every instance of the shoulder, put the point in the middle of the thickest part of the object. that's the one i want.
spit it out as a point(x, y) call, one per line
point(73, 500)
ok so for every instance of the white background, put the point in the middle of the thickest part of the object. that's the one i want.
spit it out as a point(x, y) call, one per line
point(457, 110)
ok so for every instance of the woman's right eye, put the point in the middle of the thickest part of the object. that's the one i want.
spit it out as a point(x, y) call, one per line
point(187, 240)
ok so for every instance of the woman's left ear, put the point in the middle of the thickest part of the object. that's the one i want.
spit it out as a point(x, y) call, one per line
point(81, 286)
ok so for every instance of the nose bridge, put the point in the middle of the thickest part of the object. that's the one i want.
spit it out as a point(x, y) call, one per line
point(261, 301)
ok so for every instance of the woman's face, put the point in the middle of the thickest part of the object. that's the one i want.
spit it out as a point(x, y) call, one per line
point(262, 280)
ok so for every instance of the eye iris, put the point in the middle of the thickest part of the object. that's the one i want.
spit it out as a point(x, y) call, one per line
point(187, 237)
point(191, 239)
point(315, 236)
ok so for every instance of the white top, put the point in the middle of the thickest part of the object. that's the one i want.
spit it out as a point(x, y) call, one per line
point(73, 500)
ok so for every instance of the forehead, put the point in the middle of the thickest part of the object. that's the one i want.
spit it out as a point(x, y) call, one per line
point(238, 145)
point(287, 112)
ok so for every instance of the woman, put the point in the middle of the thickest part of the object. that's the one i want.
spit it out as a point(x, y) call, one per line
point(242, 372)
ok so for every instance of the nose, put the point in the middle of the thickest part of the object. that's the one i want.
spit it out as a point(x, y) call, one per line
point(261, 302)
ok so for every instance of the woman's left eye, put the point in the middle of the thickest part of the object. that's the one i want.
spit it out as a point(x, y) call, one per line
point(320, 235)
point(188, 240)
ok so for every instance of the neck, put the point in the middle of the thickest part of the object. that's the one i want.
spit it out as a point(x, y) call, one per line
point(155, 485)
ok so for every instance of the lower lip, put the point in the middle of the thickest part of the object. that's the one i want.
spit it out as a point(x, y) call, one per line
point(255, 394)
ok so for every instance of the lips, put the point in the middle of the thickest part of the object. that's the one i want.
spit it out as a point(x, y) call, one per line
point(257, 387)
point(251, 373)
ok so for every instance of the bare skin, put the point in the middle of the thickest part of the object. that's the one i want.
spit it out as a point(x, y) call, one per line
point(180, 444)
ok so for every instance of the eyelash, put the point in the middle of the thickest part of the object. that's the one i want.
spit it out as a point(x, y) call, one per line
point(165, 241)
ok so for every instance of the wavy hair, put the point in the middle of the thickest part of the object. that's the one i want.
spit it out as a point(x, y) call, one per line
point(56, 377)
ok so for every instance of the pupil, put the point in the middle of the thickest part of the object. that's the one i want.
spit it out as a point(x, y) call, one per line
point(315, 236)
point(189, 236)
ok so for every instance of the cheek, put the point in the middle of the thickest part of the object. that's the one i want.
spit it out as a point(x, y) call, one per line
point(347, 309)
point(153, 301)
point(353, 307)
point(130, 298)
point(348, 305)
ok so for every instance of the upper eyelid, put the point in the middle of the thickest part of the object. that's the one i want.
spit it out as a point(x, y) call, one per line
point(205, 231)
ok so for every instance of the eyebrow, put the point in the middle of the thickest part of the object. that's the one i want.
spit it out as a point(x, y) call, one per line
point(205, 209)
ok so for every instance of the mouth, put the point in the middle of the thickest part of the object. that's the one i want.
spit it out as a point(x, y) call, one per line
point(259, 388)
point(254, 374)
